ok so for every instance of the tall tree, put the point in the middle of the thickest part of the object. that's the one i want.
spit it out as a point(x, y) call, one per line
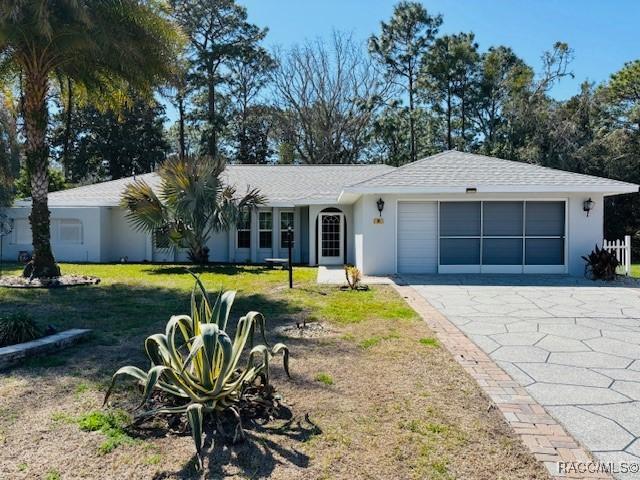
point(218, 32)
point(449, 75)
point(112, 144)
point(501, 76)
point(178, 91)
point(624, 92)
point(400, 48)
point(527, 111)
point(93, 43)
point(327, 97)
point(9, 148)
point(251, 122)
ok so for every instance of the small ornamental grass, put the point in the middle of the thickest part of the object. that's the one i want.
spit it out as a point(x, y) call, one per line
point(17, 328)
point(195, 363)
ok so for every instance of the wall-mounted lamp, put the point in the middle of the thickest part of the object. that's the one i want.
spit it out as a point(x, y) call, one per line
point(587, 206)
point(380, 204)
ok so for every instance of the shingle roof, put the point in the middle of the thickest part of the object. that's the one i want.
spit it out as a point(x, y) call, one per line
point(454, 171)
point(283, 185)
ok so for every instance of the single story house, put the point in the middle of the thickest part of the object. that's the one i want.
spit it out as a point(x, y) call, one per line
point(452, 212)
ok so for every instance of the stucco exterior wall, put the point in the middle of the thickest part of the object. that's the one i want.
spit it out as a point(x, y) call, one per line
point(376, 243)
point(124, 241)
point(89, 249)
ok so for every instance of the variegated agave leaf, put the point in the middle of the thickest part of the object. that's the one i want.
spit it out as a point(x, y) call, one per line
point(197, 362)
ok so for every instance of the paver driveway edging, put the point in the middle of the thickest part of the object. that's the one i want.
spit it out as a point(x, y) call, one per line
point(546, 439)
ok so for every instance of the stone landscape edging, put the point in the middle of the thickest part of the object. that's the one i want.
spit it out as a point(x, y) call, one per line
point(13, 354)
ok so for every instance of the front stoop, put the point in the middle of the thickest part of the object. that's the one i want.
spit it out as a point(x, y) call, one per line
point(544, 437)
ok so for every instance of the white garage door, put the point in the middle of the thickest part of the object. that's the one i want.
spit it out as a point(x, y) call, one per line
point(417, 241)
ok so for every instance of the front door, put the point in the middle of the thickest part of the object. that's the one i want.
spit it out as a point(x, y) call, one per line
point(331, 239)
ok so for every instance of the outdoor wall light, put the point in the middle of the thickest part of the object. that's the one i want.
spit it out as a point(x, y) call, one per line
point(380, 204)
point(587, 206)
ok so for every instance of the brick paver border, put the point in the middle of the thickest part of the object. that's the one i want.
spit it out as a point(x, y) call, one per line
point(544, 437)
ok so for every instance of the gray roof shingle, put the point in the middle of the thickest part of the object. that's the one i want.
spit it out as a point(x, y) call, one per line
point(283, 185)
point(455, 171)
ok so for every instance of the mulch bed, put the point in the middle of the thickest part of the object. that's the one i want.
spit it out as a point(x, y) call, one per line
point(52, 282)
point(310, 330)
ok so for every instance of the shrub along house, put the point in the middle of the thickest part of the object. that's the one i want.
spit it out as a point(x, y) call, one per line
point(449, 213)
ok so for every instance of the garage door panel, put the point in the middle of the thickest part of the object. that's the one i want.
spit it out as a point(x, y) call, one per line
point(416, 243)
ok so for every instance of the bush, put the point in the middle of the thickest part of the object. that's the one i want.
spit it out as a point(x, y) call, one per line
point(17, 328)
point(196, 365)
point(601, 264)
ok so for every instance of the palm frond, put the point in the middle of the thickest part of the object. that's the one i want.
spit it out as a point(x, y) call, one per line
point(144, 209)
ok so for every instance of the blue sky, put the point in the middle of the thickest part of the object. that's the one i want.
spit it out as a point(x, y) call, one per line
point(602, 33)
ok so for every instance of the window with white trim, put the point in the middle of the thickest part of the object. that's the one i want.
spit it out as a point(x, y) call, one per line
point(22, 232)
point(286, 221)
point(244, 229)
point(265, 229)
point(69, 231)
point(64, 231)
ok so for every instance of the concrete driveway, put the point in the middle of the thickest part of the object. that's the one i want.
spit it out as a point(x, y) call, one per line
point(573, 344)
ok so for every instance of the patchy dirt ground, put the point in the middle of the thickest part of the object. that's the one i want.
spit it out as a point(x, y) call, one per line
point(369, 401)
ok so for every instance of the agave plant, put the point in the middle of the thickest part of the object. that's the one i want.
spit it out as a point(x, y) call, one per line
point(196, 363)
point(601, 264)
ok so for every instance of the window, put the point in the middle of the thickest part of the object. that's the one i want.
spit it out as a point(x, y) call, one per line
point(69, 231)
point(286, 221)
point(244, 229)
point(265, 229)
point(161, 238)
point(64, 231)
point(22, 232)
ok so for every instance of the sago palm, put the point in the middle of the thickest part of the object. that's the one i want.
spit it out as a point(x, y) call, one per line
point(193, 202)
point(95, 43)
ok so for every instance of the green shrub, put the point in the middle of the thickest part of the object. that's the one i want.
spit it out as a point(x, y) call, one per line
point(17, 328)
point(196, 364)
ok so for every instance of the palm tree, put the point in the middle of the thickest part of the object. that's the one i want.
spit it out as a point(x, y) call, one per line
point(99, 45)
point(193, 202)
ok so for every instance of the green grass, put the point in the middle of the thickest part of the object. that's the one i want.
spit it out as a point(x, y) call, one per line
point(138, 299)
point(62, 417)
point(375, 340)
point(53, 475)
point(635, 270)
point(111, 424)
point(429, 342)
point(325, 378)
point(154, 459)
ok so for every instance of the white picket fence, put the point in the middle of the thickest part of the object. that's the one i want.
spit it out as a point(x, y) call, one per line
point(622, 251)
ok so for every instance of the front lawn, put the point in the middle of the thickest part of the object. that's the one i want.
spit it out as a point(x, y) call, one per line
point(377, 397)
point(635, 270)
